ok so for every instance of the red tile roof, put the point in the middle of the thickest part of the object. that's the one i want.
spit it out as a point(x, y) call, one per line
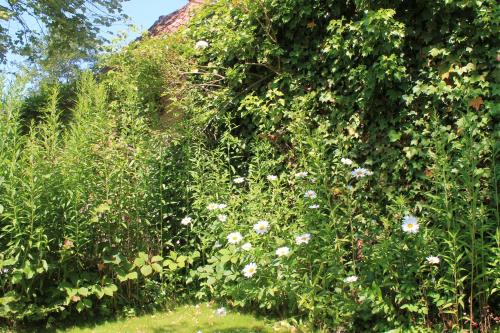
point(173, 21)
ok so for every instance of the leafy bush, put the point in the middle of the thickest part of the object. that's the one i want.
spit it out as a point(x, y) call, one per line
point(406, 93)
point(77, 205)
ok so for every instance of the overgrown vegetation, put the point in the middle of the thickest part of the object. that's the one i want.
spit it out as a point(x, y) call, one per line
point(328, 162)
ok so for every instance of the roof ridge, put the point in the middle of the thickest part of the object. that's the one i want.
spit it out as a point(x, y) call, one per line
point(174, 21)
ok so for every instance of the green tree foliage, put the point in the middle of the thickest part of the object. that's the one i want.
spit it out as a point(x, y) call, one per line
point(50, 30)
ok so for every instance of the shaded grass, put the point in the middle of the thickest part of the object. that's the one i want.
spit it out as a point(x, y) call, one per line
point(185, 319)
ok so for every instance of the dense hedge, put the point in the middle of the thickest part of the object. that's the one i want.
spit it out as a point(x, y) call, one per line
point(339, 123)
point(408, 90)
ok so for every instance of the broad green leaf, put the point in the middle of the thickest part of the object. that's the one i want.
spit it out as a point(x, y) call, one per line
point(80, 306)
point(110, 289)
point(143, 255)
point(173, 255)
point(156, 258)
point(83, 291)
point(156, 267)
point(139, 262)
point(146, 270)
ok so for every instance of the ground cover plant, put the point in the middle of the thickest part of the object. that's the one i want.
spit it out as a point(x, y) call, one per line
point(333, 163)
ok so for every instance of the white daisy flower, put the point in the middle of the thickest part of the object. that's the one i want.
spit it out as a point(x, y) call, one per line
point(212, 206)
point(250, 269)
point(272, 178)
point(410, 224)
point(261, 227)
point(310, 194)
point(314, 206)
point(221, 312)
point(361, 172)
point(346, 161)
point(215, 206)
point(302, 239)
point(282, 251)
point(222, 217)
point(351, 279)
point(302, 174)
point(433, 260)
point(201, 45)
point(234, 238)
point(239, 180)
point(246, 246)
point(186, 221)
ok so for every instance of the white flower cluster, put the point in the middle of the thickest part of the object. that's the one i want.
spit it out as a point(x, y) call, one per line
point(246, 246)
point(201, 45)
point(433, 260)
point(351, 279)
point(272, 178)
point(283, 251)
point(186, 221)
point(301, 174)
point(239, 180)
point(310, 194)
point(361, 172)
point(346, 161)
point(221, 312)
point(302, 239)
point(215, 206)
point(262, 227)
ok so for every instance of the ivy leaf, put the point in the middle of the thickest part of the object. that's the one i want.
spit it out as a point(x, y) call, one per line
point(83, 291)
point(80, 306)
point(110, 289)
point(99, 292)
point(121, 275)
point(476, 103)
point(394, 136)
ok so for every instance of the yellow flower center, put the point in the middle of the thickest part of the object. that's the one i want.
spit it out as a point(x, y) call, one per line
point(410, 225)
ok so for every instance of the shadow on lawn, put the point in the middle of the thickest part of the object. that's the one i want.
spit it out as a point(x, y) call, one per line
point(173, 329)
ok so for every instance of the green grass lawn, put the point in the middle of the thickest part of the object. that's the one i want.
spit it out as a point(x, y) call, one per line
point(186, 319)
